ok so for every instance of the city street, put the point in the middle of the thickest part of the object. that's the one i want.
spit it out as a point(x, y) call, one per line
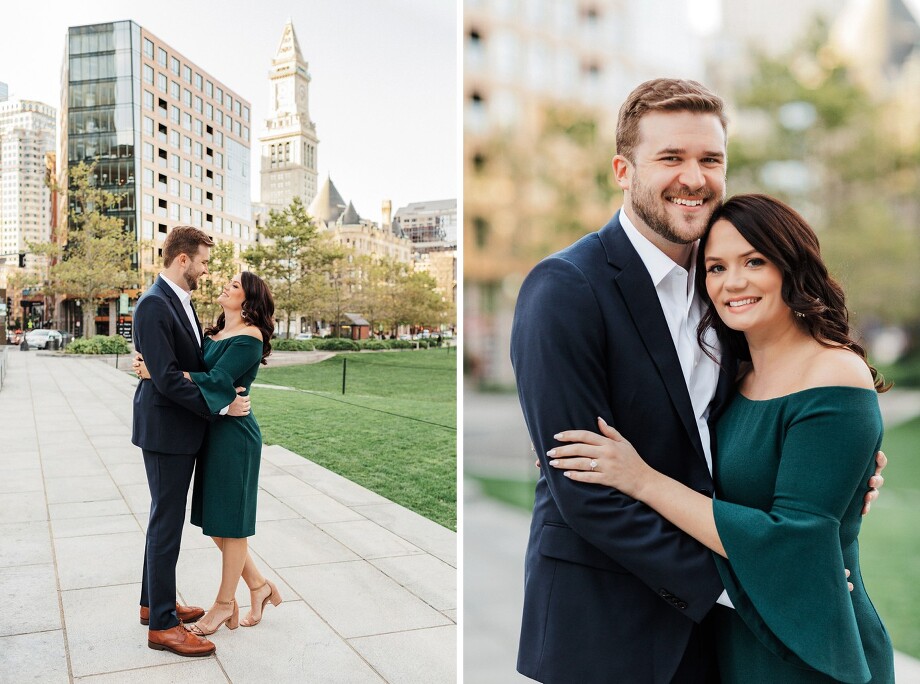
point(369, 587)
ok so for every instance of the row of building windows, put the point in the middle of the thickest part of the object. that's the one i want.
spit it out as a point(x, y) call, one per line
point(160, 132)
point(186, 191)
point(201, 220)
point(176, 163)
point(208, 88)
point(151, 103)
point(280, 154)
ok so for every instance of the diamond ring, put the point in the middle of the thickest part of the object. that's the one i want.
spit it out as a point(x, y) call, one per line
point(593, 464)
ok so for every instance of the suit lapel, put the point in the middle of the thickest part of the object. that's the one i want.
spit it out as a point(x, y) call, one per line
point(635, 284)
point(173, 299)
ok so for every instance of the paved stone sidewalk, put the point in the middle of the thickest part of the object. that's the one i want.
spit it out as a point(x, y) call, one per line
point(369, 587)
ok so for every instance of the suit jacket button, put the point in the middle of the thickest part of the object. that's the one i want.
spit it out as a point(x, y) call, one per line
point(681, 604)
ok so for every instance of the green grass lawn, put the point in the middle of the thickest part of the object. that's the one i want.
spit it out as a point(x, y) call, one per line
point(889, 539)
point(393, 431)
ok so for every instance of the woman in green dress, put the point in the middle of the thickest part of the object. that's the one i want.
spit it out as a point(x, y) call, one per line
point(795, 446)
point(227, 473)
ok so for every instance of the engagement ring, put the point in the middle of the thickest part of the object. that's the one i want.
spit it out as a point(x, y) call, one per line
point(593, 464)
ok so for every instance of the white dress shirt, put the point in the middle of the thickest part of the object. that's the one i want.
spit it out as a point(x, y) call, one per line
point(676, 290)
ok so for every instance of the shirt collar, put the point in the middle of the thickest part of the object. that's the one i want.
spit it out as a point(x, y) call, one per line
point(184, 297)
point(657, 263)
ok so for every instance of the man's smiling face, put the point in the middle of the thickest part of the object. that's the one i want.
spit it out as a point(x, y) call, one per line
point(677, 177)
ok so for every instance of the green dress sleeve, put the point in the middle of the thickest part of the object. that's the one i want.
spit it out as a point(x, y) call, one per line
point(218, 385)
point(785, 568)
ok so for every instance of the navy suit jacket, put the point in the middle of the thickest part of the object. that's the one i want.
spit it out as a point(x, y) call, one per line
point(170, 414)
point(612, 590)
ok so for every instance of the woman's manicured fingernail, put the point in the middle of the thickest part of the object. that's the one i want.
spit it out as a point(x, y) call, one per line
point(567, 473)
point(551, 453)
point(558, 435)
point(554, 462)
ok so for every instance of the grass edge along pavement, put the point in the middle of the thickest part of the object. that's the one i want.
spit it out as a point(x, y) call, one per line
point(889, 539)
point(393, 432)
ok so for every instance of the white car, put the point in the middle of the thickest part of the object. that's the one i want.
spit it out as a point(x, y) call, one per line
point(40, 338)
point(304, 336)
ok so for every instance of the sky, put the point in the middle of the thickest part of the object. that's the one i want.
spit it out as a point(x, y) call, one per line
point(384, 75)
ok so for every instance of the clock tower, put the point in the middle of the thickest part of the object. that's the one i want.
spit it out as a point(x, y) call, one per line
point(289, 145)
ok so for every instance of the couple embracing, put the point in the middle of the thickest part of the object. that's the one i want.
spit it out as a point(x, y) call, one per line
point(707, 430)
point(190, 414)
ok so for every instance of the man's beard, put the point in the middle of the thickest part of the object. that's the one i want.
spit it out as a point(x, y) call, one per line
point(191, 281)
point(649, 208)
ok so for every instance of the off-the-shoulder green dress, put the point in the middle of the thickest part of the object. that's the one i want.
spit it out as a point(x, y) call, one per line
point(227, 474)
point(790, 479)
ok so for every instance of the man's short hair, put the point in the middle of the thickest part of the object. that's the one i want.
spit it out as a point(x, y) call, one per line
point(184, 240)
point(663, 95)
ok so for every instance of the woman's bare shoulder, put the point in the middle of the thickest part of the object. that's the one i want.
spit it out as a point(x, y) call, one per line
point(252, 331)
point(836, 366)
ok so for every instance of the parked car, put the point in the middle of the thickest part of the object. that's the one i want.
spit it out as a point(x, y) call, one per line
point(40, 338)
point(304, 336)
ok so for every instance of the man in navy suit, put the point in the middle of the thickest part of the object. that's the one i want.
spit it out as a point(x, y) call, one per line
point(608, 327)
point(170, 426)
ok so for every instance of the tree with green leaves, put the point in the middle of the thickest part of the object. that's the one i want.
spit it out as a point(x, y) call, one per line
point(94, 263)
point(288, 256)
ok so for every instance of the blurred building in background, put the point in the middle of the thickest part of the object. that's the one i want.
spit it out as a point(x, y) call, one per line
point(543, 82)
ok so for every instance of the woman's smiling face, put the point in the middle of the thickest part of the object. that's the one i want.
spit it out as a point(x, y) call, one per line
point(745, 288)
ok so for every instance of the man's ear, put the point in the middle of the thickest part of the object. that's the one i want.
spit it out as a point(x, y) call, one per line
point(622, 171)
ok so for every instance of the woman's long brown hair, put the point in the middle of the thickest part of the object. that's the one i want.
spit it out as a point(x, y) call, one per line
point(258, 310)
point(779, 233)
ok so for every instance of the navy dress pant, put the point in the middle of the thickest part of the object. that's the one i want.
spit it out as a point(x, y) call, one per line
point(169, 477)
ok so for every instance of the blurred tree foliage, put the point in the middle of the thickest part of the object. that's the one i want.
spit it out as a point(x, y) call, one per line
point(552, 187)
point(823, 144)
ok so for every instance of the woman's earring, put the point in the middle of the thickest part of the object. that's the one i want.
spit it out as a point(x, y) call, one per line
point(799, 314)
point(244, 315)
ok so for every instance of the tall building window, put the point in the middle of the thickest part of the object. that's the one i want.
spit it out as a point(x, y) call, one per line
point(148, 74)
point(287, 151)
point(148, 48)
point(174, 138)
point(148, 100)
point(272, 163)
point(187, 74)
point(161, 82)
point(161, 57)
point(174, 65)
point(174, 90)
point(148, 126)
point(209, 111)
point(174, 114)
point(209, 89)
point(187, 97)
point(219, 96)
point(198, 104)
point(197, 81)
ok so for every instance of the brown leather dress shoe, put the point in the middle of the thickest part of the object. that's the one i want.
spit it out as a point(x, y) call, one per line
point(184, 613)
point(180, 641)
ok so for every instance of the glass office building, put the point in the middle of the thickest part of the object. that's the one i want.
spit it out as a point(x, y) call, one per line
point(168, 138)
